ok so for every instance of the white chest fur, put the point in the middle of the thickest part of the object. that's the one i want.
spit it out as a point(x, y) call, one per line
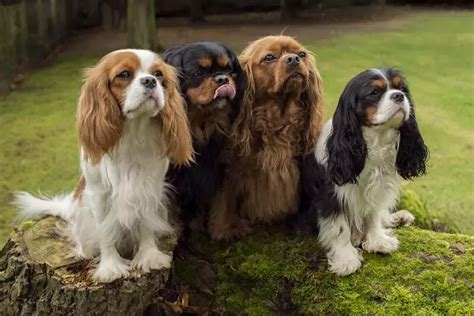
point(133, 174)
point(377, 186)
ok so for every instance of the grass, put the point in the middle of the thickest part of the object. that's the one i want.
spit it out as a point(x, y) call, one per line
point(435, 50)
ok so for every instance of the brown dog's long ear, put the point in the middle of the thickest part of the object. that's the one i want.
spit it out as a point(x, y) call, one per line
point(99, 118)
point(313, 101)
point(179, 145)
point(241, 128)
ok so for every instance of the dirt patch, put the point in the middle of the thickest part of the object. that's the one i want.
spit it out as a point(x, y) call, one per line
point(237, 30)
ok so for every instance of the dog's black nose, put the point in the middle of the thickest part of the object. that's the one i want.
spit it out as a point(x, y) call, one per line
point(397, 97)
point(221, 79)
point(293, 60)
point(148, 82)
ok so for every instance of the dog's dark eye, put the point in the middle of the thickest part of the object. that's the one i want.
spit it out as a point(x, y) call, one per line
point(376, 92)
point(404, 89)
point(269, 57)
point(199, 73)
point(302, 54)
point(158, 74)
point(124, 74)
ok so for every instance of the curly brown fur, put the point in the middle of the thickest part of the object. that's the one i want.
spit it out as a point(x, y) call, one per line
point(279, 122)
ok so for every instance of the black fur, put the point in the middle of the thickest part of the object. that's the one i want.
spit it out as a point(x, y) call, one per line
point(346, 147)
point(412, 151)
point(318, 197)
point(196, 185)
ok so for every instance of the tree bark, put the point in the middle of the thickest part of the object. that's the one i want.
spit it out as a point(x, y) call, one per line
point(37, 276)
point(141, 24)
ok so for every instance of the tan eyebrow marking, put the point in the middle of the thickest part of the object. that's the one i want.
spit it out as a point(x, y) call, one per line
point(396, 82)
point(379, 84)
point(205, 62)
point(223, 62)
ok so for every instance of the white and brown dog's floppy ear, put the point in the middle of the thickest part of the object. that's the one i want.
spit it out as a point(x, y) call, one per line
point(99, 117)
point(179, 146)
point(312, 99)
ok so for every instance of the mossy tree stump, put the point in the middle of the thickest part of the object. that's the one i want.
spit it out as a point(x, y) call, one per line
point(38, 276)
point(273, 271)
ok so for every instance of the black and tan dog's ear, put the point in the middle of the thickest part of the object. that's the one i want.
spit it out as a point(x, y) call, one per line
point(312, 99)
point(174, 57)
point(346, 147)
point(239, 78)
point(412, 151)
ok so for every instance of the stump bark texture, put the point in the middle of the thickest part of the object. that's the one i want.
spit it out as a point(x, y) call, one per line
point(38, 276)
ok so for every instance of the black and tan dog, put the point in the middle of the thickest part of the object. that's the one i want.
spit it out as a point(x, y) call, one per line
point(212, 84)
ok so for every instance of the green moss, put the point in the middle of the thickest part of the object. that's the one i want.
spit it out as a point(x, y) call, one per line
point(25, 225)
point(271, 272)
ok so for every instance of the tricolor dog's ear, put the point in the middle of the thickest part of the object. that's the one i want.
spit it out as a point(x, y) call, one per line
point(412, 151)
point(346, 147)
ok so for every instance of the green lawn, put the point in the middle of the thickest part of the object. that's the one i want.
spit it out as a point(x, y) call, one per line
point(435, 50)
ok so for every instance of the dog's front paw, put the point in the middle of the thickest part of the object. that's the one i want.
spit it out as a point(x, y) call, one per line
point(403, 218)
point(151, 259)
point(111, 269)
point(345, 261)
point(228, 232)
point(382, 243)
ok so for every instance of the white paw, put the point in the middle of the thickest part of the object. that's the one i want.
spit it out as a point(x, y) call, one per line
point(345, 261)
point(356, 238)
point(382, 243)
point(111, 269)
point(404, 218)
point(151, 259)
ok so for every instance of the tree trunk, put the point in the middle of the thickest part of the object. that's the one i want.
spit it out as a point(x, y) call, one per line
point(141, 24)
point(38, 277)
point(289, 9)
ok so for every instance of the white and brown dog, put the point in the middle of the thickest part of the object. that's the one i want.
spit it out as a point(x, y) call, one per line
point(131, 122)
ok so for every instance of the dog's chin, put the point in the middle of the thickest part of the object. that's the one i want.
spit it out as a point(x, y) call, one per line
point(220, 103)
point(294, 83)
point(395, 121)
point(150, 107)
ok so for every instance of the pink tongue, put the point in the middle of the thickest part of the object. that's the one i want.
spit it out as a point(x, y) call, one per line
point(225, 91)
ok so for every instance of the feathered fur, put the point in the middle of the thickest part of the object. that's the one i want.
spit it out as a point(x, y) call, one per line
point(131, 121)
point(352, 182)
point(278, 124)
point(210, 121)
